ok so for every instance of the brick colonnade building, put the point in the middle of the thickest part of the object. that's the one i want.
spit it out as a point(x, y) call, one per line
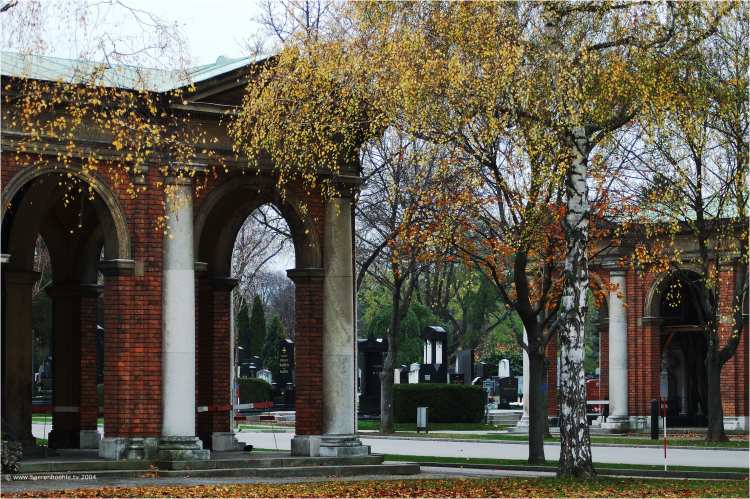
point(648, 331)
point(166, 299)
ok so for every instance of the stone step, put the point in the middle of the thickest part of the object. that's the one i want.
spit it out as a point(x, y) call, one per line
point(301, 471)
point(94, 466)
point(269, 462)
point(339, 470)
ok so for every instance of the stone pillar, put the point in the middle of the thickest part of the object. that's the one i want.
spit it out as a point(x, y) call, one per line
point(17, 365)
point(339, 341)
point(523, 423)
point(66, 364)
point(618, 355)
point(178, 440)
point(308, 351)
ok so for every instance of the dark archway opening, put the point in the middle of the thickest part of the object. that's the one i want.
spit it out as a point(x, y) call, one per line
point(683, 350)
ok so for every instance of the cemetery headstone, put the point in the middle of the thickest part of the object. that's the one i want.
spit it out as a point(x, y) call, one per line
point(286, 361)
point(503, 368)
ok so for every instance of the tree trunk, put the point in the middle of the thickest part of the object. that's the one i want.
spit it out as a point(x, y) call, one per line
point(537, 408)
point(715, 430)
point(575, 443)
point(386, 375)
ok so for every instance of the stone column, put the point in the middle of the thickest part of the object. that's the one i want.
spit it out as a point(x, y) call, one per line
point(339, 341)
point(17, 364)
point(523, 423)
point(178, 440)
point(618, 355)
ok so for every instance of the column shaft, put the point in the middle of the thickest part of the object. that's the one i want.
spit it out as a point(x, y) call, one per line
point(339, 339)
point(178, 328)
point(618, 352)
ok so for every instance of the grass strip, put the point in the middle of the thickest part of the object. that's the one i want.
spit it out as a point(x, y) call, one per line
point(523, 462)
point(684, 442)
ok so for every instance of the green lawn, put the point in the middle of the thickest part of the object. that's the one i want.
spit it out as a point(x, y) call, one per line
point(739, 444)
point(522, 462)
point(375, 425)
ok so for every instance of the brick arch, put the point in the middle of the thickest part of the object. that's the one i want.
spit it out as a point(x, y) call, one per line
point(226, 207)
point(24, 191)
point(652, 302)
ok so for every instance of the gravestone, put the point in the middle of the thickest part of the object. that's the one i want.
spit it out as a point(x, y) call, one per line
point(265, 375)
point(465, 365)
point(286, 362)
point(370, 355)
point(503, 369)
point(414, 373)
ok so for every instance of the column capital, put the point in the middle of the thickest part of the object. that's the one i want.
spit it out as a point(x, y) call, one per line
point(178, 180)
point(117, 267)
point(201, 267)
point(347, 186)
point(307, 274)
point(223, 283)
point(21, 277)
point(63, 289)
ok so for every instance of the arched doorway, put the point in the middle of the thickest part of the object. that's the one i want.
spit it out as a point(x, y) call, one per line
point(79, 221)
point(683, 348)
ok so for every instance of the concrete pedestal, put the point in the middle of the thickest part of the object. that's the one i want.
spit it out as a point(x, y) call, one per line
point(306, 445)
point(133, 448)
point(221, 441)
point(342, 446)
point(89, 439)
point(181, 449)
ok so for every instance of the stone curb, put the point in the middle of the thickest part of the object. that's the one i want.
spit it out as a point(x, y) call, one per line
point(521, 442)
point(611, 472)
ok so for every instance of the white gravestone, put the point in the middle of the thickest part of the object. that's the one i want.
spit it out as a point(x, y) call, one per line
point(503, 369)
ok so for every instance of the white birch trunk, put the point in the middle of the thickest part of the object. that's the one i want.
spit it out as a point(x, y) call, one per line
point(575, 444)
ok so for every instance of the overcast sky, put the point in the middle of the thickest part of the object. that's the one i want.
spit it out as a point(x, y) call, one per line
point(209, 28)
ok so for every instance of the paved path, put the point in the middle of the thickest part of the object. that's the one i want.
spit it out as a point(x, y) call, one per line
point(519, 450)
point(509, 450)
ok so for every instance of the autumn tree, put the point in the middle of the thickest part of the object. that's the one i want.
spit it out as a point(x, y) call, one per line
point(571, 72)
point(688, 172)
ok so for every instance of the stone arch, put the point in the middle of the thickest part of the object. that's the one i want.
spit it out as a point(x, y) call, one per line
point(227, 206)
point(23, 190)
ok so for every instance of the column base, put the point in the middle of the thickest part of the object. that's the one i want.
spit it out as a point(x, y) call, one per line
point(616, 424)
point(306, 445)
point(523, 424)
point(182, 449)
point(128, 448)
point(735, 423)
point(342, 445)
point(225, 441)
point(88, 439)
point(59, 438)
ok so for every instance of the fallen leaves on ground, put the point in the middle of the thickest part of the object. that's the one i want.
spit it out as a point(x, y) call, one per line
point(502, 487)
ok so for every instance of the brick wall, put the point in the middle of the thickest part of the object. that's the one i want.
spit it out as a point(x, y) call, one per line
point(308, 350)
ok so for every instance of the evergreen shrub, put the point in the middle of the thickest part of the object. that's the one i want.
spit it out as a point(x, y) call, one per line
point(447, 403)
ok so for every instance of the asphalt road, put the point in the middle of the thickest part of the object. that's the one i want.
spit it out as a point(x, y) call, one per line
point(509, 450)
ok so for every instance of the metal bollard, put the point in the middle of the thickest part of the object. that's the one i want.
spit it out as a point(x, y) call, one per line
point(654, 419)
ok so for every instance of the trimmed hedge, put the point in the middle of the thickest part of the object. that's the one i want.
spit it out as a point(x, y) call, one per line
point(254, 390)
point(447, 403)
